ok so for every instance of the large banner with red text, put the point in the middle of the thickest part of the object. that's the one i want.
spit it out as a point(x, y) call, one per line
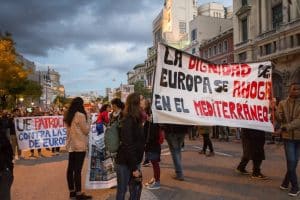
point(189, 90)
point(40, 132)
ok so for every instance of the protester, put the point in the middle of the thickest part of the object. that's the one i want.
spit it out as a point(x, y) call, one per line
point(175, 135)
point(152, 147)
point(206, 141)
point(13, 137)
point(288, 114)
point(6, 165)
point(130, 153)
point(116, 115)
point(117, 107)
point(253, 149)
point(103, 118)
point(78, 128)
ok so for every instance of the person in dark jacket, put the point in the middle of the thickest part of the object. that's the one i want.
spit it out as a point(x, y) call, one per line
point(130, 152)
point(6, 165)
point(152, 147)
point(253, 142)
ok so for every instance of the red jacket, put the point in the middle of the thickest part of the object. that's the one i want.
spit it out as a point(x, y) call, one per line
point(103, 117)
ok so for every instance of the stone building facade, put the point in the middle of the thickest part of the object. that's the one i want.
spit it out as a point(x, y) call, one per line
point(269, 30)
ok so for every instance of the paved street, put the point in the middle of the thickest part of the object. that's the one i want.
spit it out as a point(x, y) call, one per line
point(207, 178)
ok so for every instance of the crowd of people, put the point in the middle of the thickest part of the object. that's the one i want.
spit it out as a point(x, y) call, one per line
point(140, 139)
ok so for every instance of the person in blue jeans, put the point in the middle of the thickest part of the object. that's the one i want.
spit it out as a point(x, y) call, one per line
point(175, 135)
point(288, 114)
point(131, 149)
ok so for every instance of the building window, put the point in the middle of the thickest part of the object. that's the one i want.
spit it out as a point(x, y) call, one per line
point(261, 53)
point(243, 56)
point(182, 27)
point(244, 2)
point(215, 50)
point(220, 47)
point(298, 39)
point(291, 41)
point(194, 35)
point(268, 49)
point(209, 52)
point(193, 50)
point(244, 29)
point(225, 46)
point(277, 15)
point(206, 54)
point(274, 46)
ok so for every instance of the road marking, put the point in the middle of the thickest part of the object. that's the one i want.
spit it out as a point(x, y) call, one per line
point(216, 152)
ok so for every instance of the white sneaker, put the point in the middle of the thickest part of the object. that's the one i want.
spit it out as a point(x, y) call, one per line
point(152, 180)
point(154, 186)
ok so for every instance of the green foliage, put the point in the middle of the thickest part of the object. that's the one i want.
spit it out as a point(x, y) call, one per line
point(140, 88)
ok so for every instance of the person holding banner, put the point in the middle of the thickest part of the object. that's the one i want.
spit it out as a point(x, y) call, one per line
point(288, 113)
point(6, 165)
point(253, 149)
point(175, 135)
point(78, 127)
point(131, 150)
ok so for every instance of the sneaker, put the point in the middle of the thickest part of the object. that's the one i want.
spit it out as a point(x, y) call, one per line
point(294, 193)
point(283, 187)
point(210, 154)
point(242, 171)
point(154, 186)
point(83, 196)
point(152, 180)
point(146, 163)
point(182, 149)
point(201, 152)
point(259, 176)
point(178, 178)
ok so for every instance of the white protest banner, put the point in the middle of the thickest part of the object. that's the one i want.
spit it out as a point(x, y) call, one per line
point(189, 90)
point(40, 132)
point(101, 168)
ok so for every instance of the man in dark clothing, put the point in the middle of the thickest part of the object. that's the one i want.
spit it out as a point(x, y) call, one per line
point(175, 135)
point(253, 142)
point(6, 165)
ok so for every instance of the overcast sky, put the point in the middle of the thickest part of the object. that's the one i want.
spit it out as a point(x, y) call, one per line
point(91, 43)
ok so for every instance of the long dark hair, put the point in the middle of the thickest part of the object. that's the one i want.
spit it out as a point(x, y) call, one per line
point(104, 107)
point(118, 103)
point(132, 107)
point(148, 107)
point(76, 106)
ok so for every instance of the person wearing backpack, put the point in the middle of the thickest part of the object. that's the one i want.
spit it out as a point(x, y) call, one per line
point(111, 137)
point(131, 149)
point(153, 147)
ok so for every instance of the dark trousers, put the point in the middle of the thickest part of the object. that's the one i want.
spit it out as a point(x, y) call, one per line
point(207, 142)
point(74, 170)
point(156, 170)
point(6, 180)
point(256, 165)
point(55, 149)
